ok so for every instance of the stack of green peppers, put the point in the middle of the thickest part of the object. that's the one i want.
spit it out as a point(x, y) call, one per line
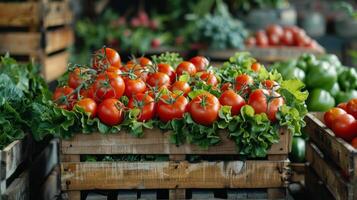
point(327, 80)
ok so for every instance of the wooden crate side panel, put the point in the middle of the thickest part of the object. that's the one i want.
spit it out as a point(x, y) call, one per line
point(52, 186)
point(19, 14)
point(55, 65)
point(340, 189)
point(153, 142)
point(18, 189)
point(342, 153)
point(57, 13)
point(315, 187)
point(273, 54)
point(172, 175)
point(12, 156)
point(298, 172)
point(20, 43)
point(59, 39)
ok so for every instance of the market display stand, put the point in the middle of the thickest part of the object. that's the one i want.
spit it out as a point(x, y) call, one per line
point(264, 55)
point(177, 174)
point(29, 170)
point(38, 30)
point(332, 162)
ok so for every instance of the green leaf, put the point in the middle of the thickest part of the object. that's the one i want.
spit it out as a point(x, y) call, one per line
point(184, 78)
point(294, 87)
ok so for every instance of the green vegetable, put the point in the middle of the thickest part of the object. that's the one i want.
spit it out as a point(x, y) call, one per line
point(321, 75)
point(348, 79)
point(298, 150)
point(335, 89)
point(320, 100)
point(345, 96)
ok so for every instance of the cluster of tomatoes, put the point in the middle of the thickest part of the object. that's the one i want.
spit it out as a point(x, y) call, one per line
point(157, 91)
point(275, 35)
point(343, 121)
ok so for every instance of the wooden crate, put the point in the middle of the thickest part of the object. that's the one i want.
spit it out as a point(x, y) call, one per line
point(332, 159)
point(39, 31)
point(297, 173)
point(25, 175)
point(264, 55)
point(177, 174)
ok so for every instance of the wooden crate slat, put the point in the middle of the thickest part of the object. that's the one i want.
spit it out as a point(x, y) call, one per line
point(18, 189)
point(59, 39)
point(169, 175)
point(55, 65)
point(51, 187)
point(57, 13)
point(340, 189)
point(20, 43)
point(315, 187)
point(12, 156)
point(19, 14)
point(342, 153)
point(298, 172)
point(153, 142)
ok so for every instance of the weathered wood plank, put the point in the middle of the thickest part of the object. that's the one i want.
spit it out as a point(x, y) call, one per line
point(55, 65)
point(57, 13)
point(153, 142)
point(328, 174)
point(18, 189)
point(12, 156)
point(19, 14)
point(315, 187)
point(74, 195)
point(342, 153)
point(170, 175)
point(52, 186)
point(20, 43)
point(298, 172)
point(59, 39)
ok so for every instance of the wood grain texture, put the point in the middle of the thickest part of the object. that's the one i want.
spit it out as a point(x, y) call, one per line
point(342, 153)
point(20, 43)
point(170, 175)
point(55, 65)
point(298, 172)
point(329, 174)
point(12, 156)
point(59, 39)
point(154, 142)
point(315, 187)
point(19, 14)
point(57, 13)
point(51, 188)
point(18, 189)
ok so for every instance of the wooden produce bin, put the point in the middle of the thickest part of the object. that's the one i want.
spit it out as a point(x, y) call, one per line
point(26, 169)
point(332, 159)
point(177, 174)
point(264, 55)
point(38, 30)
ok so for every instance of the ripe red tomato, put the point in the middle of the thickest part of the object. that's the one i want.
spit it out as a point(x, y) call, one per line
point(267, 102)
point(300, 38)
point(242, 83)
point(331, 115)
point(352, 107)
point(89, 106)
point(255, 67)
point(354, 142)
point(145, 103)
point(156, 92)
point(167, 69)
point(75, 78)
point(251, 41)
point(64, 97)
point(262, 39)
point(131, 70)
point(209, 78)
point(171, 106)
point(230, 98)
point(158, 79)
point(276, 30)
point(288, 38)
point(134, 86)
point(142, 61)
point(106, 86)
point(110, 112)
point(186, 67)
point(343, 106)
point(226, 86)
point(200, 62)
point(181, 86)
point(115, 70)
point(204, 109)
point(274, 40)
point(345, 126)
point(103, 59)
point(270, 84)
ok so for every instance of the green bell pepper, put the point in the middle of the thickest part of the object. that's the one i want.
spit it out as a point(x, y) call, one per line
point(348, 79)
point(345, 96)
point(335, 89)
point(321, 75)
point(298, 150)
point(320, 100)
point(332, 59)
